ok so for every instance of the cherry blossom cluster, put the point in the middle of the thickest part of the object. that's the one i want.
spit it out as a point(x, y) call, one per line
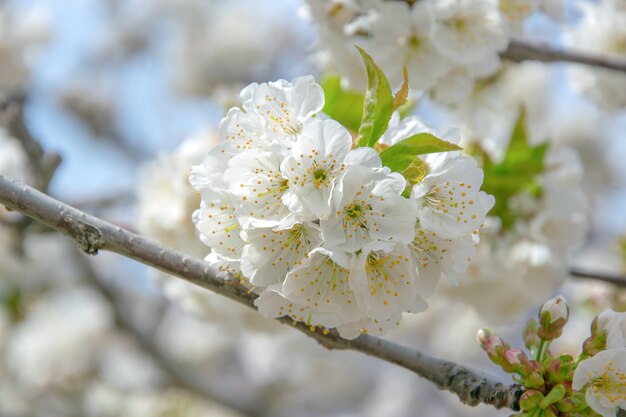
point(445, 45)
point(322, 230)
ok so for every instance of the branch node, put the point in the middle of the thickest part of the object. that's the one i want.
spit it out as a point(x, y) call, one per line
point(88, 237)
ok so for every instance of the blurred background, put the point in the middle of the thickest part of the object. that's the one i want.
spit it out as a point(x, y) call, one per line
point(129, 94)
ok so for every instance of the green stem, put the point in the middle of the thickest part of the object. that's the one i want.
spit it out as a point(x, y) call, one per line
point(539, 355)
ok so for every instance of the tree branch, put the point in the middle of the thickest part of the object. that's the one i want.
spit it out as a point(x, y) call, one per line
point(43, 165)
point(617, 280)
point(520, 50)
point(94, 234)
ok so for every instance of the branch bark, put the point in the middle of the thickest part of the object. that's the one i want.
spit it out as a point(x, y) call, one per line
point(520, 50)
point(617, 280)
point(94, 234)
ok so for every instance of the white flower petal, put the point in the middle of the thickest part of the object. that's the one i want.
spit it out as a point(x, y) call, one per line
point(270, 254)
point(272, 304)
point(434, 255)
point(315, 161)
point(384, 282)
point(284, 107)
point(218, 226)
point(254, 178)
point(323, 285)
point(368, 207)
point(449, 198)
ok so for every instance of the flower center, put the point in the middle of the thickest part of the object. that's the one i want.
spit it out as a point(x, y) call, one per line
point(353, 211)
point(319, 176)
point(414, 42)
point(614, 389)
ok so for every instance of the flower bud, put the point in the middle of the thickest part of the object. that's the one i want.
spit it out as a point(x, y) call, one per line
point(514, 356)
point(495, 348)
point(552, 318)
point(551, 411)
point(575, 401)
point(482, 335)
point(534, 380)
point(531, 338)
point(494, 344)
point(530, 400)
point(560, 370)
point(514, 361)
point(596, 342)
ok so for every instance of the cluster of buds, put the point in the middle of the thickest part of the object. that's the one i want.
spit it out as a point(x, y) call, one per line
point(547, 379)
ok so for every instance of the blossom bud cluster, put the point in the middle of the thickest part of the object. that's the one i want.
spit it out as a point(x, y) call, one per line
point(445, 45)
point(321, 230)
point(594, 384)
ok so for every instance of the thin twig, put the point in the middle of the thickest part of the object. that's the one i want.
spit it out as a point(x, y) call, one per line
point(520, 50)
point(42, 164)
point(94, 234)
point(618, 280)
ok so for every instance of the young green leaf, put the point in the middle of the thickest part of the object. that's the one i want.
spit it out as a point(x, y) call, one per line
point(344, 106)
point(378, 105)
point(399, 156)
point(518, 171)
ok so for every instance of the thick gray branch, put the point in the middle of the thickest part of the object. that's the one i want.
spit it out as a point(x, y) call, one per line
point(94, 234)
point(520, 50)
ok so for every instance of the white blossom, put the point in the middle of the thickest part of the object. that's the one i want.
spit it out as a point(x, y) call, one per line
point(603, 376)
point(435, 255)
point(283, 107)
point(271, 303)
point(615, 325)
point(323, 284)
point(219, 228)
point(468, 31)
point(401, 37)
point(315, 162)
point(258, 187)
point(449, 198)
point(384, 282)
point(368, 207)
point(270, 254)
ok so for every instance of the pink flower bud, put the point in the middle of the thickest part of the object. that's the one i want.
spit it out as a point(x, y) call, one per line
point(493, 344)
point(514, 356)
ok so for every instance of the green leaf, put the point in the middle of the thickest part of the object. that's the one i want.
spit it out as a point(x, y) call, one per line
point(378, 104)
point(401, 155)
point(518, 172)
point(344, 106)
